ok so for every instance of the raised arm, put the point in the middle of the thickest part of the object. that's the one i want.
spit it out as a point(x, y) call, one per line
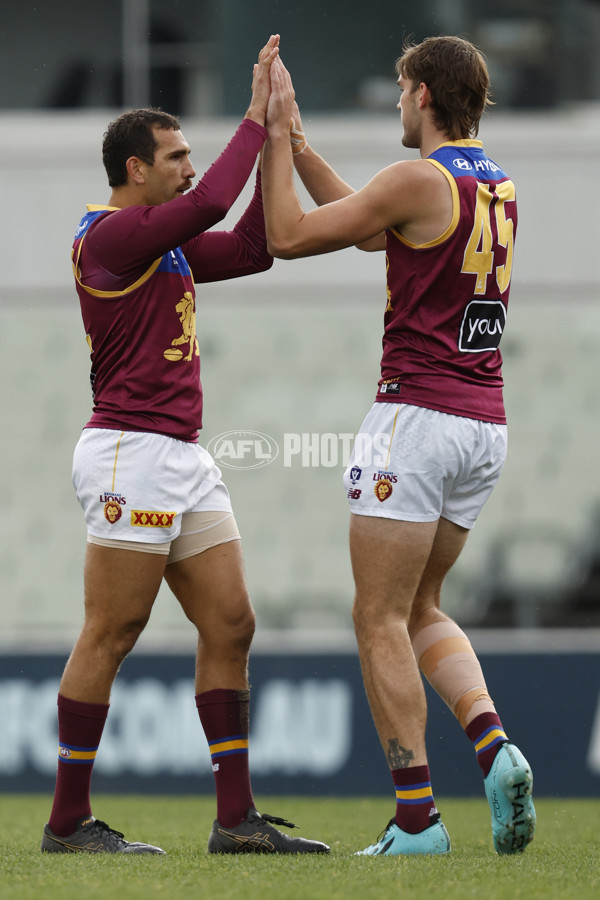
point(127, 240)
point(130, 238)
point(391, 198)
point(321, 181)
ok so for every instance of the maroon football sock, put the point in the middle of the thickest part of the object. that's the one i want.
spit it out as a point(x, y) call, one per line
point(80, 727)
point(414, 799)
point(225, 718)
point(487, 734)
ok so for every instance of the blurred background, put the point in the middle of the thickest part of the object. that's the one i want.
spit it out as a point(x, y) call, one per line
point(293, 354)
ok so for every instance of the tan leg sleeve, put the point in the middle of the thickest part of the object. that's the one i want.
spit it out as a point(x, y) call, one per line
point(448, 662)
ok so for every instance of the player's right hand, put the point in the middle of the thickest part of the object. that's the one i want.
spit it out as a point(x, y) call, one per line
point(281, 101)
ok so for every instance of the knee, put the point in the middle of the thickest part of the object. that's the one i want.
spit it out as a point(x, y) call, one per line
point(116, 639)
point(373, 614)
point(126, 638)
point(367, 618)
point(244, 626)
point(237, 626)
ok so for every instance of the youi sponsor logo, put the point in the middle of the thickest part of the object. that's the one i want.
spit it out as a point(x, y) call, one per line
point(482, 326)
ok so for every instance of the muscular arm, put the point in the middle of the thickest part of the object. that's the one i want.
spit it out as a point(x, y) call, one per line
point(129, 239)
point(389, 199)
point(325, 186)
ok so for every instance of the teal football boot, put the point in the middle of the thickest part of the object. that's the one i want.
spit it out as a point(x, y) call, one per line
point(508, 790)
point(395, 842)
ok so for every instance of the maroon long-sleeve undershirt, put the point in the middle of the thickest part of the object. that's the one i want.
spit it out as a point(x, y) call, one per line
point(121, 245)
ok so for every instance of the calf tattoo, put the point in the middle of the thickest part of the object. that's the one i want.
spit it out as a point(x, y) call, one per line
point(398, 757)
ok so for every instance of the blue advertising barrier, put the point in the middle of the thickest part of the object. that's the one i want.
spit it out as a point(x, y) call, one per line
point(311, 729)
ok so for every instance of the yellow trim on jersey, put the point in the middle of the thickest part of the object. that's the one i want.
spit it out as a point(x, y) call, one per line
point(455, 209)
point(467, 142)
point(92, 291)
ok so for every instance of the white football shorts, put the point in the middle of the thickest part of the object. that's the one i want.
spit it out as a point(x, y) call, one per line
point(136, 486)
point(416, 464)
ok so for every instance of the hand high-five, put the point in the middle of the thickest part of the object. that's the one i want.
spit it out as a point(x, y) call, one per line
point(261, 81)
point(281, 101)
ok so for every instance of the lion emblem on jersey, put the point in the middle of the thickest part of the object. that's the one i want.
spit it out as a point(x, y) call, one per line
point(187, 317)
point(383, 489)
point(112, 512)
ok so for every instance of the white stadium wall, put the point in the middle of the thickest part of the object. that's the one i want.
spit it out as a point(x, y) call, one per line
point(290, 363)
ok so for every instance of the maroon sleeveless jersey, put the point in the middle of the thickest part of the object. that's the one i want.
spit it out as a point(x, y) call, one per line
point(447, 299)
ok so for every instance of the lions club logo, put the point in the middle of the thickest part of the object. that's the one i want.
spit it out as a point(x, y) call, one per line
point(187, 317)
point(112, 511)
point(383, 489)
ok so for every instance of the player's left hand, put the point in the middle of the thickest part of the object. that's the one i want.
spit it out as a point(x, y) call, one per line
point(261, 82)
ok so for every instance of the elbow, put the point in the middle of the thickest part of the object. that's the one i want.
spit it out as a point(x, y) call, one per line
point(214, 209)
point(220, 210)
point(280, 249)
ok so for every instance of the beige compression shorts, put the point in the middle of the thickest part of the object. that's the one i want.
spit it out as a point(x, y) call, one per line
point(199, 532)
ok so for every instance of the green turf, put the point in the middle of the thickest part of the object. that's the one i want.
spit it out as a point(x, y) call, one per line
point(563, 861)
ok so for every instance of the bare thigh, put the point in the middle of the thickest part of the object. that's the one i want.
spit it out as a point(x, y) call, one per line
point(400, 567)
point(388, 561)
point(120, 589)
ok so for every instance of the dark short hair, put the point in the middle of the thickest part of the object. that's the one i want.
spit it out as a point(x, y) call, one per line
point(456, 73)
point(132, 134)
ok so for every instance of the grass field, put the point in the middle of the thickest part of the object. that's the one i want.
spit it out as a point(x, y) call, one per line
point(563, 861)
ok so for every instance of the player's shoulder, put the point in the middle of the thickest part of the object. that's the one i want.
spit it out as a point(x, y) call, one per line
point(409, 172)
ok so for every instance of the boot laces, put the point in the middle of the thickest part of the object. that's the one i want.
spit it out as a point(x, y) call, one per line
point(275, 820)
point(102, 826)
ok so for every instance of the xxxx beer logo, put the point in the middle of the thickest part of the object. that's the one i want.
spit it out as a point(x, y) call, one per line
point(143, 518)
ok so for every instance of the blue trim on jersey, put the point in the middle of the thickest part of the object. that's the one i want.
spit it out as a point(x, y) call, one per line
point(174, 262)
point(87, 220)
point(470, 161)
